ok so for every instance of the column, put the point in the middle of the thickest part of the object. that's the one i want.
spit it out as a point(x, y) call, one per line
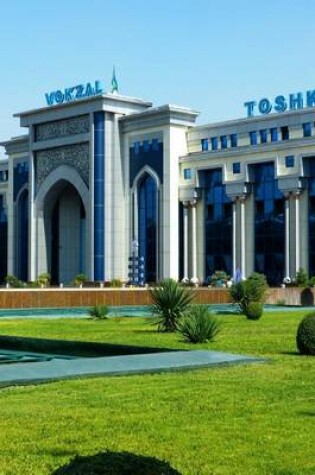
point(99, 172)
point(194, 279)
point(234, 238)
point(243, 238)
point(287, 235)
point(297, 232)
point(185, 225)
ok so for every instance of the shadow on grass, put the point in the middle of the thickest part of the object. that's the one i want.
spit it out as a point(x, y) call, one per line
point(290, 353)
point(306, 413)
point(116, 463)
point(149, 332)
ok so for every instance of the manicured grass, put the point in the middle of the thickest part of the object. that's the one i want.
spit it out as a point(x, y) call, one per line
point(251, 419)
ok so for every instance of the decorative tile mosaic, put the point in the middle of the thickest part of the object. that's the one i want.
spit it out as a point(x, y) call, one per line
point(75, 156)
point(62, 128)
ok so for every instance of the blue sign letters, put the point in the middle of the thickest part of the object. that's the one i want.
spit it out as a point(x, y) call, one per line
point(281, 103)
point(74, 93)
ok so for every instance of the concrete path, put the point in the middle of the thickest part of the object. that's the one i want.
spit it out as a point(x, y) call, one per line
point(30, 373)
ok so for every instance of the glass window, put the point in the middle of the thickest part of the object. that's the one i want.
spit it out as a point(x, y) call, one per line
point(274, 134)
point(146, 145)
point(3, 239)
point(218, 224)
point(147, 226)
point(263, 136)
point(187, 173)
point(307, 129)
point(136, 147)
point(236, 168)
point(311, 216)
point(204, 145)
point(224, 142)
point(269, 224)
point(253, 137)
point(155, 145)
point(289, 161)
point(214, 143)
point(285, 132)
point(233, 138)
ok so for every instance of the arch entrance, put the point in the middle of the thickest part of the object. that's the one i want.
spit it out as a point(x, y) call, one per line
point(64, 239)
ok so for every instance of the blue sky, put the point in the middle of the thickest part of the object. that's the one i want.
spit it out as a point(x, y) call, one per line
point(210, 55)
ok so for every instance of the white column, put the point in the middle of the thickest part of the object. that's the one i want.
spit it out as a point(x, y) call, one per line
point(185, 225)
point(297, 232)
point(194, 278)
point(287, 235)
point(243, 243)
point(234, 238)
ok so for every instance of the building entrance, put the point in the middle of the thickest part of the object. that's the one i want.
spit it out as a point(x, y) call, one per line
point(67, 235)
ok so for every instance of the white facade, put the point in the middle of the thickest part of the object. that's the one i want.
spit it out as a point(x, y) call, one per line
point(91, 176)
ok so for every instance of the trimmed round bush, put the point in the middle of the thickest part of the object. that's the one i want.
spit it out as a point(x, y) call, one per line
point(116, 463)
point(254, 311)
point(305, 337)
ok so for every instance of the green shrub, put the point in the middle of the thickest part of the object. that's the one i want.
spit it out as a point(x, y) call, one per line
point(301, 278)
point(115, 283)
point(250, 290)
point(79, 279)
point(254, 311)
point(44, 278)
point(170, 302)
point(219, 278)
point(116, 463)
point(199, 325)
point(99, 312)
point(305, 337)
point(311, 282)
point(13, 281)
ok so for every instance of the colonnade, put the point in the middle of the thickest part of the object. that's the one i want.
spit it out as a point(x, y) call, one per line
point(243, 234)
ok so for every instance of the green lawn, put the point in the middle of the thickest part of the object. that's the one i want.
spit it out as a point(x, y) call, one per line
point(256, 419)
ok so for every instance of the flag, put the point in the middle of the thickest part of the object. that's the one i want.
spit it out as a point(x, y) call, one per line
point(114, 82)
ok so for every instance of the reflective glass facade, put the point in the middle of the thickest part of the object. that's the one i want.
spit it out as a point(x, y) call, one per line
point(218, 224)
point(269, 224)
point(23, 235)
point(3, 239)
point(311, 216)
point(147, 222)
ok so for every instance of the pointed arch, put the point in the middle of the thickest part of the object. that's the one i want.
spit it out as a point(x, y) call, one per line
point(146, 188)
point(67, 174)
point(62, 215)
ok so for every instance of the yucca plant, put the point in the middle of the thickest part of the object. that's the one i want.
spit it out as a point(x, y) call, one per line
point(99, 312)
point(199, 325)
point(170, 302)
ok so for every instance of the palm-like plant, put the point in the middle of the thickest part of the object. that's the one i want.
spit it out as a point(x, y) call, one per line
point(99, 312)
point(170, 302)
point(199, 325)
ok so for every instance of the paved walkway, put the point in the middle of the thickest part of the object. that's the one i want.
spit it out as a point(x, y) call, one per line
point(30, 373)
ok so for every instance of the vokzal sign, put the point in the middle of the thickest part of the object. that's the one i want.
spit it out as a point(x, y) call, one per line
point(73, 93)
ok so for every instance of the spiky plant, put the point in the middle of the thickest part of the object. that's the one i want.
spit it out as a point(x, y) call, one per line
point(99, 312)
point(170, 302)
point(199, 325)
